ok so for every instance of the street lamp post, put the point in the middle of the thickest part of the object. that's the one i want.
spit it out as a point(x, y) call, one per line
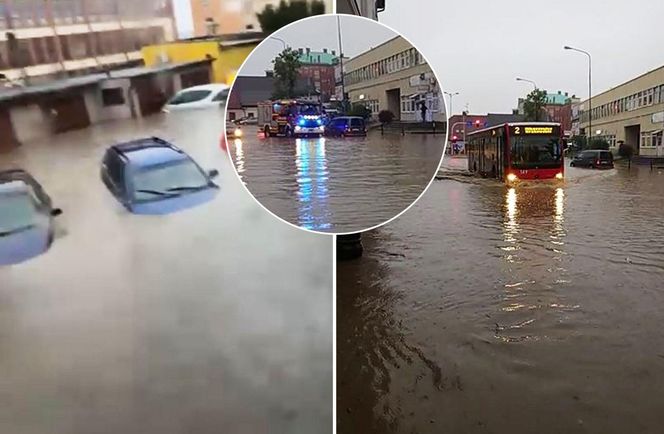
point(537, 109)
point(451, 95)
point(278, 39)
point(590, 91)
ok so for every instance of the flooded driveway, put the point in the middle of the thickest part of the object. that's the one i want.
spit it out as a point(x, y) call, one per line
point(214, 318)
point(490, 310)
point(337, 185)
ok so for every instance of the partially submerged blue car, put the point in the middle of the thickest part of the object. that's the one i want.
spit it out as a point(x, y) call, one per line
point(153, 176)
point(26, 217)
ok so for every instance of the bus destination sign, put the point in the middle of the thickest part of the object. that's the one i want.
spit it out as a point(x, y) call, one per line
point(519, 130)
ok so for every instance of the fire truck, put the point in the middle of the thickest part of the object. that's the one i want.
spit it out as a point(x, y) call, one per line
point(291, 118)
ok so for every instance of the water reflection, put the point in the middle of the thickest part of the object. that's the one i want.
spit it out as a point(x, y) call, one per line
point(312, 180)
point(331, 184)
point(239, 156)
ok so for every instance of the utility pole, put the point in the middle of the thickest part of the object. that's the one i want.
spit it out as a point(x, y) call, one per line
point(341, 65)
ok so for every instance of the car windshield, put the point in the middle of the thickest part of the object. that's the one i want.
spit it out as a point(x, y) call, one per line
point(17, 210)
point(188, 96)
point(168, 180)
point(536, 152)
point(356, 122)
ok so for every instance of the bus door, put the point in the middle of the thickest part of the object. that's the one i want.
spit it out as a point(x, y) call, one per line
point(500, 157)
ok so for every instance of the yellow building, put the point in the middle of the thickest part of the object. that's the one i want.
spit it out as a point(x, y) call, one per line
point(394, 76)
point(228, 54)
point(632, 112)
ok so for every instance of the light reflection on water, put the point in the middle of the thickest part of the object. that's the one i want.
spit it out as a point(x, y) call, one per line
point(332, 184)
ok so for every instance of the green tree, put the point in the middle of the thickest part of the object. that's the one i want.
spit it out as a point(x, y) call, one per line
point(272, 19)
point(385, 117)
point(359, 109)
point(599, 143)
point(286, 67)
point(533, 106)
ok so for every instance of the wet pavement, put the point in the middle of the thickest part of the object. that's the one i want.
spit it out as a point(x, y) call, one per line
point(337, 185)
point(214, 319)
point(484, 309)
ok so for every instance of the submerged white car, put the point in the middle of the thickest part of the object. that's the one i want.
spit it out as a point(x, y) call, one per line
point(199, 97)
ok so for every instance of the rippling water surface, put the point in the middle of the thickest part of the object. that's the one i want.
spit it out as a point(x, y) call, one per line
point(485, 309)
point(337, 185)
point(214, 319)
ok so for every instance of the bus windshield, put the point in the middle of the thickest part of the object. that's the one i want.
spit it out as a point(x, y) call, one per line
point(536, 152)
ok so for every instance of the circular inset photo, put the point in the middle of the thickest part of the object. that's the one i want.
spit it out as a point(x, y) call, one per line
point(336, 124)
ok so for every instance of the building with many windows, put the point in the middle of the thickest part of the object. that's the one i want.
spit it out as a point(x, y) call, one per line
point(394, 76)
point(631, 113)
point(317, 68)
point(44, 39)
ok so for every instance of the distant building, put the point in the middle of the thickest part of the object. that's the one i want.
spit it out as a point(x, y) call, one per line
point(219, 17)
point(558, 108)
point(365, 8)
point(318, 69)
point(632, 112)
point(42, 40)
point(461, 124)
point(394, 76)
point(248, 91)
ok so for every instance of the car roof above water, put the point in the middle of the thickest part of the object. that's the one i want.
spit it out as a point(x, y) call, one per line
point(150, 152)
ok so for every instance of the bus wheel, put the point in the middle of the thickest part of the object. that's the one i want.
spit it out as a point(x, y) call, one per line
point(266, 130)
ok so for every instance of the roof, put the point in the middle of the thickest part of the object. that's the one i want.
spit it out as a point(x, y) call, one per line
point(52, 86)
point(92, 79)
point(556, 98)
point(147, 70)
point(149, 152)
point(248, 91)
point(318, 57)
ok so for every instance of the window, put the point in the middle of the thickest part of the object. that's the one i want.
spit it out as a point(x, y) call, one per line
point(222, 95)
point(112, 96)
point(189, 96)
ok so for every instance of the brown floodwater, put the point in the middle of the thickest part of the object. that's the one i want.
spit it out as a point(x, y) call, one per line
point(337, 185)
point(485, 309)
point(213, 319)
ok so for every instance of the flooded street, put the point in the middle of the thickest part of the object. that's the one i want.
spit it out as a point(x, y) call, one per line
point(217, 318)
point(337, 184)
point(485, 309)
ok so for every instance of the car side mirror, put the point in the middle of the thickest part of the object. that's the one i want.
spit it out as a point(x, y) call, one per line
point(213, 173)
point(56, 212)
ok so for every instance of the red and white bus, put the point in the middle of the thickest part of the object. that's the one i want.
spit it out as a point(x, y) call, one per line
point(517, 151)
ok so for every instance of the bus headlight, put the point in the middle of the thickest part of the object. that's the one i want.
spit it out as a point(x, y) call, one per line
point(237, 132)
point(512, 177)
point(559, 175)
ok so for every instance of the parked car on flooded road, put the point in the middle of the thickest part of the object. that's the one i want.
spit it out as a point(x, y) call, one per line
point(152, 176)
point(26, 217)
point(594, 159)
point(198, 97)
point(346, 126)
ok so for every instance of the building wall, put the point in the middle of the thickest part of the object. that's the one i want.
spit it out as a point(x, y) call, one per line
point(394, 65)
point(231, 16)
point(30, 123)
point(628, 111)
point(321, 77)
point(74, 41)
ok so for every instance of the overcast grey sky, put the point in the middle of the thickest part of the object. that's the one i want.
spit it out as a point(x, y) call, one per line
point(479, 47)
point(359, 35)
